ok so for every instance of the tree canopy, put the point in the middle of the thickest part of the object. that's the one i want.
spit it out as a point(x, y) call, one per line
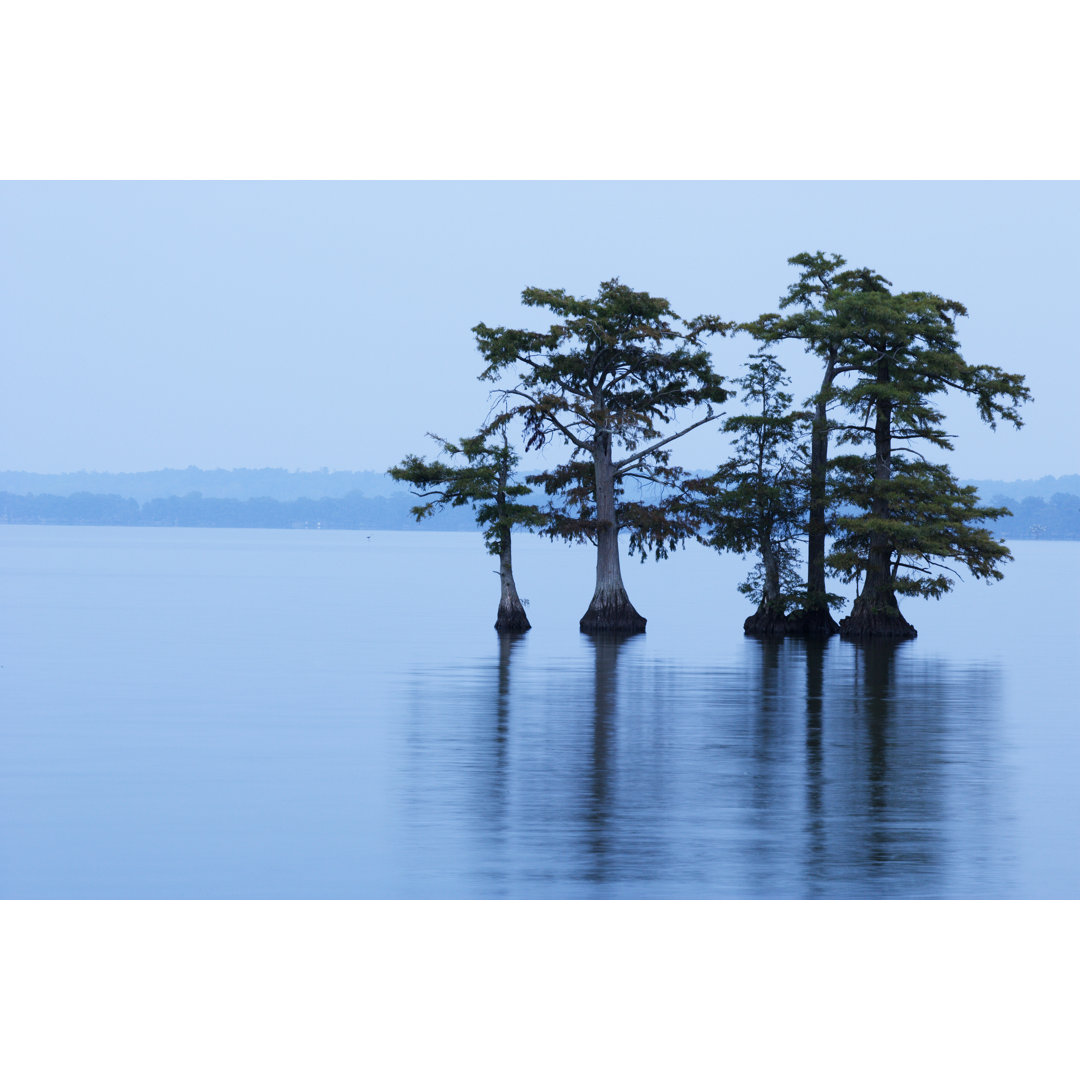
point(904, 353)
point(816, 316)
point(607, 381)
point(931, 523)
point(886, 358)
point(756, 502)
point(617, 379)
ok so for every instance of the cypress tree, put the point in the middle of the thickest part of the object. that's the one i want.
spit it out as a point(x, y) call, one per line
point(607, 380)
point(484, 481)
point(819, 320)
point(905, 350)
point(756, 502)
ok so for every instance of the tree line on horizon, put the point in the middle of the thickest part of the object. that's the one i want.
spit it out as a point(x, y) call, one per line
point(616, 380)
point(194, 510)
point(290, 485)
point(284, 485)
point(1033, 518)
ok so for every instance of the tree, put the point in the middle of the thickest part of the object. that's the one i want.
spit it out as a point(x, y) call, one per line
point(756, 502)
point(484, 481)
point(607, 380)
point(820, 322)
point(915, 516)
point(929, 521)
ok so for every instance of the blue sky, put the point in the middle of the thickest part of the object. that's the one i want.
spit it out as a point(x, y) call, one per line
point(164, 324)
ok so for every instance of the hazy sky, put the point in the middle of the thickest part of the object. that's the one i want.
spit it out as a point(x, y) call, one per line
point(148, 325)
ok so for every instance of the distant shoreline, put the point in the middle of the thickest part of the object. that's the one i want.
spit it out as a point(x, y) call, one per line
point(1056, 518)
point(351, 512)
point(285, 485)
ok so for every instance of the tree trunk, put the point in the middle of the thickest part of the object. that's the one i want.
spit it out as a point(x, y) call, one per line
point(766, 622)
point(610, 610)
point(875, 612)
point(769, 619)
point(511, 618)
point(816, 618)
point(876, 619)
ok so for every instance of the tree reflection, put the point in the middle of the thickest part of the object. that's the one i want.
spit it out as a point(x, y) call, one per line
point(802, 767)
point(507, 644)
point(598, 806)
point(495, 793)
point(875, 661)
point(814, 649)
point(880, 719)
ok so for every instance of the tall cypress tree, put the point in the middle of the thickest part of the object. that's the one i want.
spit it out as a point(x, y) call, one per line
point(819, 320)
point(607, 380)
point(916, 518)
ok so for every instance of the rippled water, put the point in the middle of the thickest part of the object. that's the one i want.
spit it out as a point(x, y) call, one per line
point(219, 713)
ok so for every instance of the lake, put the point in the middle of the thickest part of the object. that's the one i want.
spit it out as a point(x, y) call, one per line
point(196, 713)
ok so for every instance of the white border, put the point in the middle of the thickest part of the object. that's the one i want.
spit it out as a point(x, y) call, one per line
point(568, 89)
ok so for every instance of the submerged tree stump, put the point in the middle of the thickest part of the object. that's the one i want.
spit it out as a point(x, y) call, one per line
point(512, 619)
point(816, 623)
point(612, 613)
point(866, 621)
point(766, 622)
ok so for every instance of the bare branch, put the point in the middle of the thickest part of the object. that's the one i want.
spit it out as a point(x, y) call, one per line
point(910, 450)
point(621, 465)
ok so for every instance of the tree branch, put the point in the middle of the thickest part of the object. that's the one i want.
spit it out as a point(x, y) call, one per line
point(548, 416)
point(910, 450)
point(620, 465)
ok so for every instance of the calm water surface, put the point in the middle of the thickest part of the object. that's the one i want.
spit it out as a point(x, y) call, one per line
point(257, 714)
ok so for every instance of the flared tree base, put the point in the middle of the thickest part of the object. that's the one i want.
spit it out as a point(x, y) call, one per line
point(816, 623)
point(876, 622)
point(766, 622)
point(512, 619)
point(612, 614)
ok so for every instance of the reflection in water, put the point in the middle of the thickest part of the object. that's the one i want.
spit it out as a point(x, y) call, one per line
point(605, 649)
point(879, 771)
point(234, 714)
point(813, 650)
point(871, 779)
point(875, 662)
point(814, 768)
point(496, 798)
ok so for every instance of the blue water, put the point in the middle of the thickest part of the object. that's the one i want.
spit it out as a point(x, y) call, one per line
point(257, 714)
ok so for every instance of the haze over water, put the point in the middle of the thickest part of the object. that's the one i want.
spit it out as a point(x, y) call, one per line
point(257, 714)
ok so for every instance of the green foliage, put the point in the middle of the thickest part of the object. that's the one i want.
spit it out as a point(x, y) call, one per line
point(927, 519)
point(571, 512)
point(484, 481)
point(664, 517)
point(813, 317)
point(617, 361)
point(824, 297)
point(888, 359)
point(787, 591)
point(607, 379)
point(905, 350)
point(756, 502)
point(818, 296)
